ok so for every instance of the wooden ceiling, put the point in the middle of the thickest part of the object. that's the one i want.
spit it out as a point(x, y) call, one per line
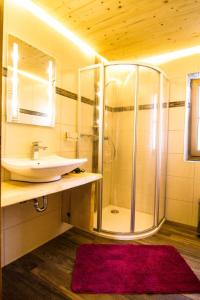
point(123, 29)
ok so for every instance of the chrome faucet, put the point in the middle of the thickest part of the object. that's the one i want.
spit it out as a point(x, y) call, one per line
point(35, 149)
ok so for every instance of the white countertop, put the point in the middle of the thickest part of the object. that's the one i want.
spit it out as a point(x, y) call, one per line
point(13, 192)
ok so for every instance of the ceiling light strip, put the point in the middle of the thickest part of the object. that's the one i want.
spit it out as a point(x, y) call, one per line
point(58, 26)
point(166, 57)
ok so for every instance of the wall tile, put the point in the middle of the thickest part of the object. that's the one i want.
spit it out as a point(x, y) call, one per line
point(196, 199)
point(179, 211)
point(88, 165)
point(49, 137)
point(178, 167)
point(23, 238)
point(68, 111)
point(144, 203)
point(23, 212)
point(144, 120)
point(180, 188)
point(58, 109)
point(68, 154)
point(68, 144)
point(86, 144)
point(178, 89)
point(176, 141)
point(122, 196)
point(197, 169)
point(177, 118)
point(87, 117)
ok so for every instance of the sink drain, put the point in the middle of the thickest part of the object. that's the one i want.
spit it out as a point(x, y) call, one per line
point(114, 211)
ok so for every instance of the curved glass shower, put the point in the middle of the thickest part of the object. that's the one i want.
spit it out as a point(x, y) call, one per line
point(122, 117)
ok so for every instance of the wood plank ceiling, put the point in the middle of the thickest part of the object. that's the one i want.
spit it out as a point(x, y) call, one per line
point(123, 29)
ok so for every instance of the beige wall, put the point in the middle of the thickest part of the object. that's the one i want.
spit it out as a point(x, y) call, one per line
point(23, 228)
point(183, 181)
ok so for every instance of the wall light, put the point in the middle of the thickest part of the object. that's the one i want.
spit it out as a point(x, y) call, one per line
point(166, 57)
point(58, 26)
point(14, 101)
point(50, 90)
point(29, 75)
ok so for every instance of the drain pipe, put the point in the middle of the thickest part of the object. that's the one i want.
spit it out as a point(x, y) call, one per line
point(43, 207)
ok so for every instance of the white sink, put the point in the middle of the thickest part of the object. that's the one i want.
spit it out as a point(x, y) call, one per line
point(49, 168)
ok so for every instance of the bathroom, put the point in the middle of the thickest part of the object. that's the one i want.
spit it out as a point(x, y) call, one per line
point(118, 112)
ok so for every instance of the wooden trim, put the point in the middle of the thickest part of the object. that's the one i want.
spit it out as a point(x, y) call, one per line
point(70, 95)
point(176, 104)
point(181, 225)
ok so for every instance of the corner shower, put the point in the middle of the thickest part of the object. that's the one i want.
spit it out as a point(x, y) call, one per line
point(122, 124)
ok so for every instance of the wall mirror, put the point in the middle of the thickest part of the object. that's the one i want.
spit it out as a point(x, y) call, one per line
point(30, 84)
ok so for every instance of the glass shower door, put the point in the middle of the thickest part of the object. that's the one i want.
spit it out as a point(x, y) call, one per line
point(90, 120)
point(118, 145)
point(146, 148)
point(163, 146)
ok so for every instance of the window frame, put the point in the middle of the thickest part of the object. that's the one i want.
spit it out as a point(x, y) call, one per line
point(192, 123)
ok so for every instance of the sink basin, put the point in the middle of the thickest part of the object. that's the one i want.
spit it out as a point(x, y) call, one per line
point(46, 169)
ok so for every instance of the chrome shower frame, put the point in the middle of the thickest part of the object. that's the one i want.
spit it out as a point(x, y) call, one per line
point(156, 223)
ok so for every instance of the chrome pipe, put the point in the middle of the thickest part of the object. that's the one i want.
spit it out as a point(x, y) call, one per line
point(43, 207)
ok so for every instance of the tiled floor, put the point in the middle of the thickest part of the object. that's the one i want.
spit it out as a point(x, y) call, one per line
point(120, 222)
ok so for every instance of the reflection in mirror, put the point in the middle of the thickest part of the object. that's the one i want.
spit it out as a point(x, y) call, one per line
point(30, 84)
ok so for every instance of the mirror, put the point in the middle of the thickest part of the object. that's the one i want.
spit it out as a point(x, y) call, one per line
point(30, 84)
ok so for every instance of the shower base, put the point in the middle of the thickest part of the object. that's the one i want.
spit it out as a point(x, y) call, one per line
point(119, 221)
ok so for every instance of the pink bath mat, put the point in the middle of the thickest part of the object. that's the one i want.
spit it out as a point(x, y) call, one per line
point(138, 269)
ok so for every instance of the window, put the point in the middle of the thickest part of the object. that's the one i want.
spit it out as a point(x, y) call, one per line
point(193, 117)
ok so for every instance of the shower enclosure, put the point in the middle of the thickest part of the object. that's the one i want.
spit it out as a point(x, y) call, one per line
point(122, 126)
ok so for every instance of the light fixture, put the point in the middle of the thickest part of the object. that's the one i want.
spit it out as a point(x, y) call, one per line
point(166, 57)
point(58, 26)
point(29, 75)
point(50, 90)
point(14, 100)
